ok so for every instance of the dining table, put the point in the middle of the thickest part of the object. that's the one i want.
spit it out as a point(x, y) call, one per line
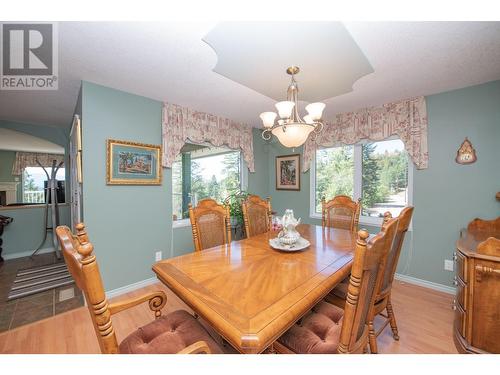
point(251, 293)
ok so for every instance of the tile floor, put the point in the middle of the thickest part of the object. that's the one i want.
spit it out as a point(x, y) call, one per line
point(38, 306)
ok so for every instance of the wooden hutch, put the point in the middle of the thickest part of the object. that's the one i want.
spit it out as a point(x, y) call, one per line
point(477, 303)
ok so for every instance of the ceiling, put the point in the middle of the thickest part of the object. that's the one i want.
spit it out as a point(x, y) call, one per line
point(171, 62)
point(320, 49)
point(11, 140)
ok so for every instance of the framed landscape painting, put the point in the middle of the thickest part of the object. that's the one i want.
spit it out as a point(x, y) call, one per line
point(288, 172)
point(131, 163)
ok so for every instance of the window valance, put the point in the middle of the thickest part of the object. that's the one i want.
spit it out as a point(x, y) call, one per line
point(406, 118)
point(28, 159)
point(182, 124)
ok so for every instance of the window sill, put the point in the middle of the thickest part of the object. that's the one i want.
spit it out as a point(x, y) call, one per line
point(363, 220)
point(181, 223)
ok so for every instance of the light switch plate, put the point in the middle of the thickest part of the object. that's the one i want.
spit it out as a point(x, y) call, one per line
point(158, 256)
point(448, 265)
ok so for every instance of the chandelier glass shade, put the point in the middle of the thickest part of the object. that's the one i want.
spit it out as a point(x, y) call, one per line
point(290, 129)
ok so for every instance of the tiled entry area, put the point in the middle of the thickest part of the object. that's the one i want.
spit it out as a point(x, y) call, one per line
point(38, 306)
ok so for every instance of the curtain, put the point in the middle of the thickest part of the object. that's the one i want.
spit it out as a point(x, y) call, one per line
point(405, 118)
point(180, 125)
point(28, 159)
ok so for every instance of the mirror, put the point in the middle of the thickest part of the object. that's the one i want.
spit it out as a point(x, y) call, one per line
point(22, 180)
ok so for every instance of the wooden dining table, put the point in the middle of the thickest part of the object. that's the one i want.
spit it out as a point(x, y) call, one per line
point(251, 293)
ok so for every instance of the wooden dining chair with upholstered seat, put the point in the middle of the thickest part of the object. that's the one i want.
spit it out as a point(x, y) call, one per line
point(340, 212)
point(383, 300)
point(330, 329)
point(256, 215)
point(176, 332)
point(210, 224)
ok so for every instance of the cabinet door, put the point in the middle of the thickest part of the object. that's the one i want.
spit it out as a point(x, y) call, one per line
point(461, 266)
point(486, 306)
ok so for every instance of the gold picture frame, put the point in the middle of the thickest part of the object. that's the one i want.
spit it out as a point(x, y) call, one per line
point(132, 163)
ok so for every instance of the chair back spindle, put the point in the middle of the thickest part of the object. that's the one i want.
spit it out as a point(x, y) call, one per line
point(366, 276)
point(391, 264)
point(83, 267)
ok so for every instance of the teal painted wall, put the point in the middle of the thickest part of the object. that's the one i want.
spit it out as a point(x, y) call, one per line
point(25, 233)
point(126, 224)
point(447, 195)
point(7, 159)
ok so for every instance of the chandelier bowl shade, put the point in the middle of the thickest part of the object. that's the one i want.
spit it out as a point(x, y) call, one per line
point(292, 135)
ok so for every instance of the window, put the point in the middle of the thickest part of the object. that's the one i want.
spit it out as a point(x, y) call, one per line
point(204, 172)
point(34, 182)
point(335, 173)
point(378, 172)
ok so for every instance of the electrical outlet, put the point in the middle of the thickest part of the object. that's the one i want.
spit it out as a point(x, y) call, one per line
point(448, 265)
point(158, 256)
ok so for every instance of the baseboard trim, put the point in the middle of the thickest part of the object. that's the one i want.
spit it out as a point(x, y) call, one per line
point(408, 279)
point(131, 287)
point(425, 283)
point(28, 253)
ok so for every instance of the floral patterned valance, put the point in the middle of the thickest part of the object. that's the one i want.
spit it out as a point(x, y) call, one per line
point(28, 159)
point(181, 125)
point(406, 118)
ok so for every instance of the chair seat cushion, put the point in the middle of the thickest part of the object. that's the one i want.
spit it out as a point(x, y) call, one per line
point(317, 333)
point(168, 334)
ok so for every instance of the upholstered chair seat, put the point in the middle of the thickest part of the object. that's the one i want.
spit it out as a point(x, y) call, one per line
point(317, 333)
point(331, 329)
point(168, 334)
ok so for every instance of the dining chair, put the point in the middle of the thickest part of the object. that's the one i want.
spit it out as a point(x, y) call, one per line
point(256, 215)
point(383, 300)
point(176, 332)
point(340, 212)
point(210, 224)
point(330, 329)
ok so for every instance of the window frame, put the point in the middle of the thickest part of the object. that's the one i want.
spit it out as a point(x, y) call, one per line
point(243, 186)
point(358, 181)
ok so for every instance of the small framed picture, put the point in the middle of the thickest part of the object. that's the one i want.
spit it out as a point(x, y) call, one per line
point(288, 172)
point(131, 163)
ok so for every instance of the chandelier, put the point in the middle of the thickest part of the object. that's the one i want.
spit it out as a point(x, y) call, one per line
point(290, 129)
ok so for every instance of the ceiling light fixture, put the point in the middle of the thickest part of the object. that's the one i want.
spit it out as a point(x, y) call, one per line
point(290, 129)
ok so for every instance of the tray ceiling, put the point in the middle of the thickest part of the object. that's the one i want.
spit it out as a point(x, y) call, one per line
point(256, 54)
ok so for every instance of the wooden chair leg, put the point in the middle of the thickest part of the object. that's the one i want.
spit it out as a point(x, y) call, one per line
point(372, 338)
point(392, 319)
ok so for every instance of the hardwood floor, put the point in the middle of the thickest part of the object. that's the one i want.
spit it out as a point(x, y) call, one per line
point(424, 319)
